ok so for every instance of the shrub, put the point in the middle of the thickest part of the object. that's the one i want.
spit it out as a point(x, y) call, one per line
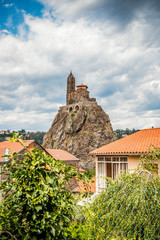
point(150, 160)
point(128, 209)
point(36, 205)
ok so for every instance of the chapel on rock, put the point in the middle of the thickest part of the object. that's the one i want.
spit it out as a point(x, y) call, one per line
point(79, 95)
point(80, 126)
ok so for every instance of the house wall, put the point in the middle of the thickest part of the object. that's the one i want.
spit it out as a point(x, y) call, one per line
point(96, 158)
point(133, 162)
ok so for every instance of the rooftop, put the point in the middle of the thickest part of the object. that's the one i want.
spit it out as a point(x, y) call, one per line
point(136, 143)
point(12, 146)
point(59, 154)
point(82, 85)
point(83, 188)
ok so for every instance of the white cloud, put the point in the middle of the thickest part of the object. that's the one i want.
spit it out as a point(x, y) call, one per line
point(137, 120)
point(17, 119)
point(8, 5)
point(68, 10)
point(4, 31)
point(120, 67)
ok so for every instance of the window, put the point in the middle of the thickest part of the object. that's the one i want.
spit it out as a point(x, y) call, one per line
point(100, 158)
point(77, 108)
point(6, 152)
point(70, 109)
point(107, 159)
point(111, 166)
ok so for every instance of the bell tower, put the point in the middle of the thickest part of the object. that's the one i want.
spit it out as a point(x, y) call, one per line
point(70, 88)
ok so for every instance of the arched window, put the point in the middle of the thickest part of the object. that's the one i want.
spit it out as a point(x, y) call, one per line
point(70, 109)
point(77, 108)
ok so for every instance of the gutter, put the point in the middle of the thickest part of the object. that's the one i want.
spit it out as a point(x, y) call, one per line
point(117, 154)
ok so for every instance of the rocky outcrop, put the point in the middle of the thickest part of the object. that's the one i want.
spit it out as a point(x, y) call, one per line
point(79, 128)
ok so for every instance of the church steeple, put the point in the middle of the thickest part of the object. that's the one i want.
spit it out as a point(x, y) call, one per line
point(70, 87)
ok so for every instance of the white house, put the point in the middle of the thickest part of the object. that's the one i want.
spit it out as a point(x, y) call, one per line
point(124, 154)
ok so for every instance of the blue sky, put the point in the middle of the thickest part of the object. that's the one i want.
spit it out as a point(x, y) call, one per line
point(12, 13)
point(110, 45)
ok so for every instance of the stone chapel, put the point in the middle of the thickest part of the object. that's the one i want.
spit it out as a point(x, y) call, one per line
point(79, 95)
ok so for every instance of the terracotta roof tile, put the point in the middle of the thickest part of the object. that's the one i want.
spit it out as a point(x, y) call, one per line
point(81, 170)
point(59, 154)
point(81, 187)
point(138, 142)
point(82, 85)
point(12, 146)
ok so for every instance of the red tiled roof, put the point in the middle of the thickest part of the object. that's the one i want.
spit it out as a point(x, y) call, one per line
point(81, 170)
point(82, 85)
point(82, 188)
point(12, 146)
point(59, 154)
point(138, 142)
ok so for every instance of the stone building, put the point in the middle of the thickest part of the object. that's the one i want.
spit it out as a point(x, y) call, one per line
point(79, 95)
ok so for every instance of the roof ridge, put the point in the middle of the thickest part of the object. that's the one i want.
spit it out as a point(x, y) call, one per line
point(150, 129)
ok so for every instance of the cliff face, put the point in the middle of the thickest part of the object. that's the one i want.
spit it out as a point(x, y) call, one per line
point(79, 128)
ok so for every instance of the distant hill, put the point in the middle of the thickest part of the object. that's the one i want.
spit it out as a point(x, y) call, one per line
point(120, 133)
point(38, 135)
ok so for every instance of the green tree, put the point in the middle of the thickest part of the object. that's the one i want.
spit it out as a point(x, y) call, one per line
point(36, 205)
point(127, 131)
point(38, 136)
point(150, 160)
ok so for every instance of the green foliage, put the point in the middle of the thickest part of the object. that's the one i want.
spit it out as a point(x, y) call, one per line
point(128, 209)
point(86, 178)
point(36, 205)
point(120, 132)
point(38, 136)
point(4, 136)
point(89, 174)
point(73, 114)
point(150, 160)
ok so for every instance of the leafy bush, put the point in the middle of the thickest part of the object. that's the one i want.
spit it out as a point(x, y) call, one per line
point(36, 205)
point(87, 178)
point(150, 160)
point(128, 209)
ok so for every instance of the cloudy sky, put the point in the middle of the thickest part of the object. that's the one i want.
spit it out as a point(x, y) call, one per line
point(113, 46)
